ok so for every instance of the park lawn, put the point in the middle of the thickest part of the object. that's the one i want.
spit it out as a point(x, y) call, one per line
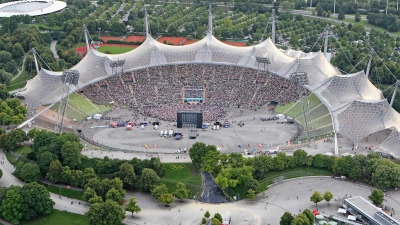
point(18, 82)
point(189, 175)
point(58, 217)
point(23, 150)
point(286, 174)
point(46, 26)
point(115, 49)
point(71, 112)
point(66, 192)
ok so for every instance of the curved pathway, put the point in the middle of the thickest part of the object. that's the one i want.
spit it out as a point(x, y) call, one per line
point(53, 50)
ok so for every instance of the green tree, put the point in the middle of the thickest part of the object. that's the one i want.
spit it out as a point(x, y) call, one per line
point(316, 197)
point(37, 200)
point(300, 157)
point(44, 160)
point(127, 174)
point(357, 17)
point(32, 133)
point(280, 161)
point(71, 154)
point(96, 199)
point(28, 172)
point(251, 194)
point(341, 15)
point(215, 221)
point(149, 179)
point(132, 206)
point(309, 215)
point(218, 216)
point(207, 214)
point(105, 213)
point(328, 196)
point(55, 172)
point(286, 219)
point(198, 151)
point(159, 190)
point(14, 137)
point(115, 195)
point(17, 51)
point(12, 206)
point(287, 6)
point(301, 219)
point(3, 90)
point(181, 192)
point(376, 197)
point(166, 198)
point(89, 193)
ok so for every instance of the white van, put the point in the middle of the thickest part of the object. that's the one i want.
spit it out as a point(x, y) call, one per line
point(165, 133)
point(161, 133)
point(170, 133)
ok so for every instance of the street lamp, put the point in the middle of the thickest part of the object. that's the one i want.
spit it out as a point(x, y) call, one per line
point(99, 31)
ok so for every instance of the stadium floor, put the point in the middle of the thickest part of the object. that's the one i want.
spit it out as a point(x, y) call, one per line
point(254, 132)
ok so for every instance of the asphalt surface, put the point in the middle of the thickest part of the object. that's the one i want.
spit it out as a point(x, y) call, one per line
point(212, 192)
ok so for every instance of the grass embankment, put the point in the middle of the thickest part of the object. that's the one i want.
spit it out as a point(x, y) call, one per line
point(286, 174)
point(66, 192)
point(186, 173)
point(23, 150)
point(115, 49)
point(18, 82)
point(58, 217)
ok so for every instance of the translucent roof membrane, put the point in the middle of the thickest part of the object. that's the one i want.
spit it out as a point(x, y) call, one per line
point(357, 107)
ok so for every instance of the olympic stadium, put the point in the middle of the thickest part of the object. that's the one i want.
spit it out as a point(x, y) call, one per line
point(355, 108)
point(31, 8)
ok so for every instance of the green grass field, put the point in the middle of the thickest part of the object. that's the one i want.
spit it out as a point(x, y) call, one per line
point(186, 173)
point(18, 82)
point(66, 192)
point(71, 113)
point(58, 217)
point(114, 49)
point(23, 150)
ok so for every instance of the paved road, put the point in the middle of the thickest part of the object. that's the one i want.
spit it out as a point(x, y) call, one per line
point(53, 50)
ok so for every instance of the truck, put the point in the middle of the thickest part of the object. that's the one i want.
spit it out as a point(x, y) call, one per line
point(193, 134)
point(171, 133)
point(97, 116)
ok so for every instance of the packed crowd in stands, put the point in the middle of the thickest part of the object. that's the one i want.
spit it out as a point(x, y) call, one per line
point(160, 91)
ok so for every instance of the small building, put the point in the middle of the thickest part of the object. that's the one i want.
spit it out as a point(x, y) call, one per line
point(365, 211)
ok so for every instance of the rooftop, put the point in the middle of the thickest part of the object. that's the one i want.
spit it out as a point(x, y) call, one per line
point(31, 8)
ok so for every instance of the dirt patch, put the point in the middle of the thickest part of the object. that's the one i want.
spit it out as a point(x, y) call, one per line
point(172, 40)
point(108, 38)
point(135, 39)
point(237, 44)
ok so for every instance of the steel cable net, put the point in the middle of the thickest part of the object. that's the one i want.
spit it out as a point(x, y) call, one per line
point(391, 145)
point(355, 86)
point(362, 118)
point(337, 92)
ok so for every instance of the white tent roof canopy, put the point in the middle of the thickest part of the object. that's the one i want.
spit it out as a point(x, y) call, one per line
point(357, 107)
